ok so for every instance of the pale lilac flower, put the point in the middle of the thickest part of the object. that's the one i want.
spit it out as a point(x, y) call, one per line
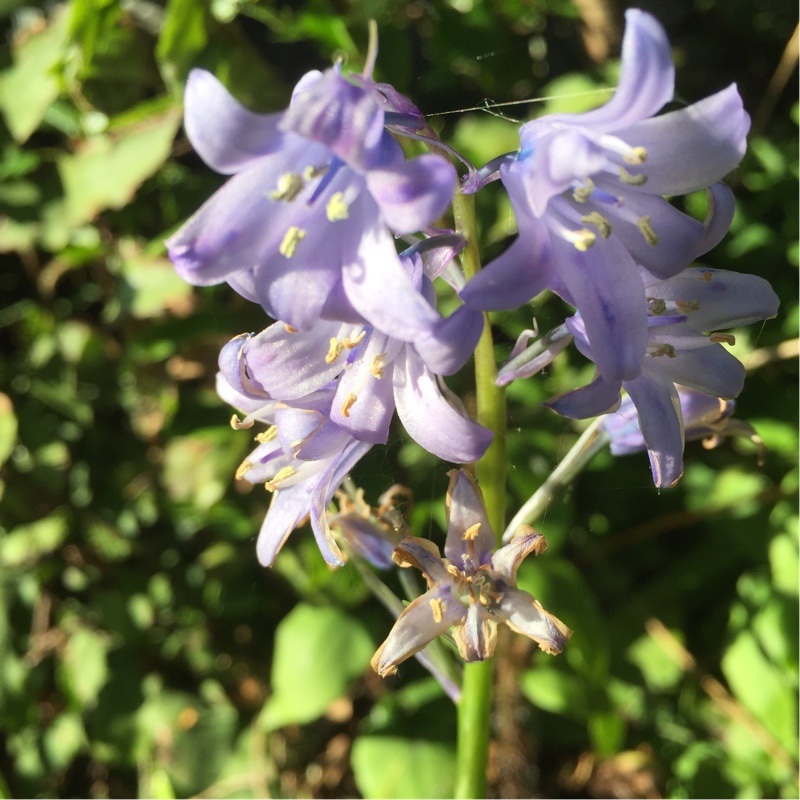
point(472, 589)
point(588, 193)
point(704, 417)
point(684, 313)
point(316, 195)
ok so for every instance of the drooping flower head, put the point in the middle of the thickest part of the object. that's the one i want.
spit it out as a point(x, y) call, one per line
point(588, 193)
point(316, 194)
point(471, 590)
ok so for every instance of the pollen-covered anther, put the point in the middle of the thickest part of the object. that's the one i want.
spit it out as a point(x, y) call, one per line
point(348, 404)
point(656, 306)
point(580, 194)
point(437, 607)
point(636, 155)
point(687, 306)
point(289, 328)
point(582, 240)
point(631, 180)
point(599, 221)
point(280, 476)
point(268, 435)
point(311, 172)
point(355, 341)
point(723, 338)
point(334, 351)
point(667, 350)
point(239, 425)
point(290, 184)
point(291, 239)
point(708, 276)
point(244, 468)
point(471, 532)
point(377, 367)
point(646, 229)
point(337, 209)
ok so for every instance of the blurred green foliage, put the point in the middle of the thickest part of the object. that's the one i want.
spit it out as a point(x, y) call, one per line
point(143, 652)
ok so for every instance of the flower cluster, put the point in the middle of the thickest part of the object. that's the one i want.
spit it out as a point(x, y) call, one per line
point(307, 225)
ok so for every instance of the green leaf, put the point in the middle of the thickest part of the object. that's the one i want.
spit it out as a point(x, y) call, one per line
point(63, 740)
point(556, 691)
point(783, 560)
point(26, 544)
point(33, 83)
point(318, 651)
point(8, 427)
point(659, 670)
point(183, 35)
point(106, 171)
point(388, 766)
point(84, 668)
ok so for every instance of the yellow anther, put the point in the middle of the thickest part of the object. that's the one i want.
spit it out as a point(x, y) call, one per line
point(334, 351)
point(453, 570)
point(656, 306)
point(687, 306)
point(291, 239)
point(348, 404)
point(471, 533)
point(289, 328)
point(582, 193)
point(708, 276)
point(663, 350)
point(244, 468)
point(280, 475)
point(337, 209)
point(646, 229)
point(437, 606)
point(238, 425)
point(311, 172)
point(290, 184)
point(631, 180)
point(377, 366)
point(355, 341)
point(268, 435)
point(724, 338)
point(599, 221)
point(583, 239)
point(636, 155)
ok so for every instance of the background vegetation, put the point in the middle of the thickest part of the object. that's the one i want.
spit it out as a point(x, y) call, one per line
point(143, 651)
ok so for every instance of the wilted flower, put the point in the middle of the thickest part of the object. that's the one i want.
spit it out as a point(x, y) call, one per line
point(472, 589)
point(315, 192)
point(683, 348)
point(588, 193)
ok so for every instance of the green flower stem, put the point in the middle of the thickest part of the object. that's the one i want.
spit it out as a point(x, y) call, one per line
point(474, 710)
point(591, 441)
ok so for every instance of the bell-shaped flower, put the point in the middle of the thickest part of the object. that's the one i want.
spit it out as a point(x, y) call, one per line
point(684, 347)
point(704, 417)
point(471, 590)
point(316, 195)
point(302, 458)
point(588, 194)
point(372, 373)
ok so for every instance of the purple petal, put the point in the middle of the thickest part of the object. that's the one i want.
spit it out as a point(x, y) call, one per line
point(226, 135)
point(711, 369)
point(661, 423)
point(452, 341)
point(413, 194)
point(429, 419)
point(507, 559)
point(694, 147)
point(288, 508)
point(525, 615)
point(424, 555)
point(598, 397)
point(476, 636)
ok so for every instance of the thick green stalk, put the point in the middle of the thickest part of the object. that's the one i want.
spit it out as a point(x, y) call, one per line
point(475, 707)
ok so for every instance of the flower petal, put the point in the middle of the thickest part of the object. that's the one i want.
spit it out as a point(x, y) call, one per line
point(429, 419)
point(598, 397)
point(451, 342)
point(466, 510)
point(507, 559)
point(476, 636)
point(226, 135)
point(525, 615)
point(711, 369)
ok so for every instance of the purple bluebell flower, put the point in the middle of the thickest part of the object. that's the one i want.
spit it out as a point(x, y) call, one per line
point(472, 589)
point(372, 373)
point(704, 417)
point(588, 194)
point(316, 195)
point(302, 458)
point(684, 313)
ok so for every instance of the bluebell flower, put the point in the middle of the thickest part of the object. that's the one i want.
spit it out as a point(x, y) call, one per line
point(588, 194)
point(684, 347)
point(316, 195)
point(471, 590)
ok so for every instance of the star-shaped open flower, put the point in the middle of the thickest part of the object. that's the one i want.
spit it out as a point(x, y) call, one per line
point(471, 589)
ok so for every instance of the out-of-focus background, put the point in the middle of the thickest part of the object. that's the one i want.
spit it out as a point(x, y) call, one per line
point(143, 651)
